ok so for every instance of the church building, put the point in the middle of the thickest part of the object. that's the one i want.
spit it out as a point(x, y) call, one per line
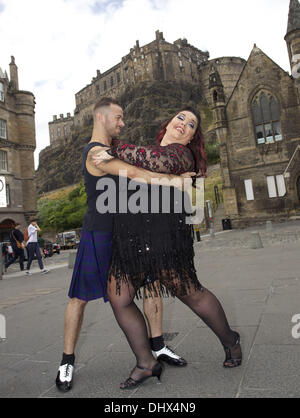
point(258, 129)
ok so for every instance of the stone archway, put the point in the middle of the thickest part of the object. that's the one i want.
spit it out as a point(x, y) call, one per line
point(5, 227)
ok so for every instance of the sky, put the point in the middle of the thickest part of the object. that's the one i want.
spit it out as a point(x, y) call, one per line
point(58, 45)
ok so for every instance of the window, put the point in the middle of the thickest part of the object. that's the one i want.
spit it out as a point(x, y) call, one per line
point(3, 160)
point(2, 129)
point(111, 81)
point(249, 189)
point(7, 195)
point(58, 132)
point(1, 92)
point(276, 186)
point(97, 89)
point(105, 86)
point(118, 77)
point(65, 130)
point(265, 111)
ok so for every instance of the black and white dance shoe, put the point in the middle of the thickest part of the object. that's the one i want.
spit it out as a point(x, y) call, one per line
point(64, 377)
point(167, 354)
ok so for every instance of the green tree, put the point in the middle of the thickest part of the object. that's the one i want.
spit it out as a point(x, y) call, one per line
point(62, 214)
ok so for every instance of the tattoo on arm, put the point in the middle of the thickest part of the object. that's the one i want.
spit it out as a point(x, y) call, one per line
point(94, 152)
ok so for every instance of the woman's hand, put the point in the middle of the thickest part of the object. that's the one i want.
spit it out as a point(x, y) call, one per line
point(101, 157)
point(182, 182)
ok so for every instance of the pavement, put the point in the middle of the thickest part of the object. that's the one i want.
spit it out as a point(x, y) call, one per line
point(259, 290)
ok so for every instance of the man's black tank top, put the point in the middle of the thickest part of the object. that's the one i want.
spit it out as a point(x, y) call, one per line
point(93, 220)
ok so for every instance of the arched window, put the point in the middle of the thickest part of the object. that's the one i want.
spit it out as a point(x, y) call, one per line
point(1, 92)
point(265, 111)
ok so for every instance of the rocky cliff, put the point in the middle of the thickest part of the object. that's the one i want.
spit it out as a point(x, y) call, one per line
point(146, 106)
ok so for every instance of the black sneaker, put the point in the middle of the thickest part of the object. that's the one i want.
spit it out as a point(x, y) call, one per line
point(168, 355)
point(64, 377)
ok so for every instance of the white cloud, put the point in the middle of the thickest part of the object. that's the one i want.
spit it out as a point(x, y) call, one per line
point(59, 44)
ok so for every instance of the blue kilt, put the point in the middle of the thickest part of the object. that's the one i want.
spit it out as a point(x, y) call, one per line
point(91, 267)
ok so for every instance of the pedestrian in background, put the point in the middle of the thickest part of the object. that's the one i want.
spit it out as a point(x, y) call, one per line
point(33, 247)
point(5, 253)
point(10, 252)
point(16, 238)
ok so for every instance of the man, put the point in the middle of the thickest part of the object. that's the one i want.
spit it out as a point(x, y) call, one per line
point(16, 238)
point(33, 247)
point(108, 121)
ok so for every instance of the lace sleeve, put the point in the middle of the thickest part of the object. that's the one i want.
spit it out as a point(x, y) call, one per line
point(171, 159)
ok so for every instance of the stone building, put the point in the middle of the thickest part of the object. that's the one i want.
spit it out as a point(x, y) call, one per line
point(17, 145)
point(157, 61)
point(60, 128)
point(258, 128)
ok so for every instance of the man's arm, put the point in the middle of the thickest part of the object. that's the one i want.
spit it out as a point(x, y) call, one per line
point(31, 230)
point(117, 167)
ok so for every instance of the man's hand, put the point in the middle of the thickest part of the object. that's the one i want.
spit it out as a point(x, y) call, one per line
point(101, 157)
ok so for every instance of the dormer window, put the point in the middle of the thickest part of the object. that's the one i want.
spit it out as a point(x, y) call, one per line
point(266, 119)
point(1, 92)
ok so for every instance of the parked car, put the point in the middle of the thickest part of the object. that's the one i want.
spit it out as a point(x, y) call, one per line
point(48, 248)
point(56, 248)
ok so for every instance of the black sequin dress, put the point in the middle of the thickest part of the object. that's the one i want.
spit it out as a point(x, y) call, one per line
point(149, 247)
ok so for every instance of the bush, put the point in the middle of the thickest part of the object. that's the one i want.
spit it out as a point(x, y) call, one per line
point(213, 153)
point(64, 213)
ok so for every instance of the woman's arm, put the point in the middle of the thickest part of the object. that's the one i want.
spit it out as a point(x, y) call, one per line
point(171, 159)
point(120, 168)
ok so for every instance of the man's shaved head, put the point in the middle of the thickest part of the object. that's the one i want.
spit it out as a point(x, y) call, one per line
point(104, 104)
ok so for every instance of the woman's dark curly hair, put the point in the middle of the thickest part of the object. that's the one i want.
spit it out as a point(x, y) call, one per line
point(196, 145)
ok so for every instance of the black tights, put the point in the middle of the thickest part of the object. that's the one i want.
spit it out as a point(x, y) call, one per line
point(132, 322)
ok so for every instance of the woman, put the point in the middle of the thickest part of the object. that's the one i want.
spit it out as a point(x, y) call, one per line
point(159, 246)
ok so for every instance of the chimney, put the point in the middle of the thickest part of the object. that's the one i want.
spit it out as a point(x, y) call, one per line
point(54, 118)
point(159, 36)
point(14, 79)
point(61, 115)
